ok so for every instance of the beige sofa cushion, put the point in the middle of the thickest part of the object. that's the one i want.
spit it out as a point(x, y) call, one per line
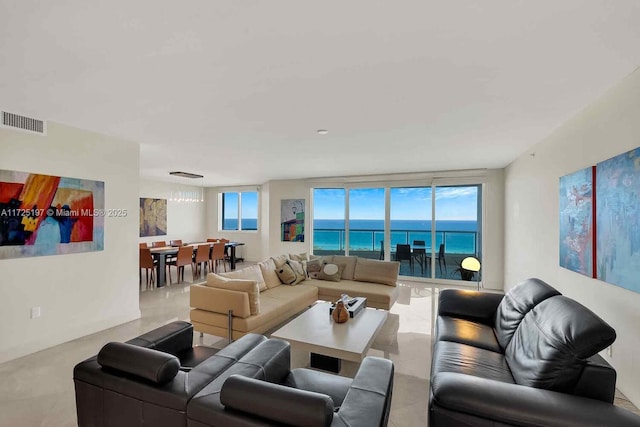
point(291, 273)
point(249, 286)
point(268, 269)
point(252, 272)
point(384, 272)
point(299, 257)
point(279, 260)
point(349, 265)
point(377, 295)
point(331, 272)
point(218, 302)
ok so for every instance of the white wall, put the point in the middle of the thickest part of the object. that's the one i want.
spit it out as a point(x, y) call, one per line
point(609, 127)
point(79, 293)
point(185, 221)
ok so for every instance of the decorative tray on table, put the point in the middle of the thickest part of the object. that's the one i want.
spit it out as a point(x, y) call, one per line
point(354, 306)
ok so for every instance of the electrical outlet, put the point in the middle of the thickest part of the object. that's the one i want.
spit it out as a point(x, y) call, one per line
point(35, 312)
point(610, 351)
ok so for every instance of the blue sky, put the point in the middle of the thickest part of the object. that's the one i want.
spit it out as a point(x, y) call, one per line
point(452, 203)
point(249, 205)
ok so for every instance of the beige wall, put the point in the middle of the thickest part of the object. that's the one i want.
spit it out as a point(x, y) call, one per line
point(82, 293)
point(185, 221)
point(609, 127)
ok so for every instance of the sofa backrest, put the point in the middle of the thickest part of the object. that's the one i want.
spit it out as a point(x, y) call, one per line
point(515, 305)
point(550, 346)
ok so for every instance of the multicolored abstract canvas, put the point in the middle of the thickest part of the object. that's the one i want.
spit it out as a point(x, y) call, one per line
point(153, 217)
point(618, 220)
point(49, 215)
point(576, 222)
point(292, 220)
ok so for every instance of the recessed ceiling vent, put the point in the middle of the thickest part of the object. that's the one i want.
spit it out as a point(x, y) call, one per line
point(23, 123)
point(186, 175)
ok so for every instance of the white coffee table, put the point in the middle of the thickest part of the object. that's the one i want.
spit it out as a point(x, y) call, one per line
point(315, 331)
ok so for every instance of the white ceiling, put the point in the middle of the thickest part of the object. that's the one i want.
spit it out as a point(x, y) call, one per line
point(235, 90)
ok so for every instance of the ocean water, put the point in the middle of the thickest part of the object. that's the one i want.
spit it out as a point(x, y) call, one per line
point(366, 235)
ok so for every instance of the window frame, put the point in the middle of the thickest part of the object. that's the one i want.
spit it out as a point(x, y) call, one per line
point(221, 206)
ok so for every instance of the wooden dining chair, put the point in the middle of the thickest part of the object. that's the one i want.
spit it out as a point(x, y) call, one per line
point(226, 249)
point(202, 258)
point(212, 240)
point(217, 255)
point(185, 257)
point(159, 244)
point(147, 262)
point(143, 246)
point(176, 243)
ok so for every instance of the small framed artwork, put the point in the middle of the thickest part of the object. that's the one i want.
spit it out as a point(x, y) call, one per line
point(292, 220)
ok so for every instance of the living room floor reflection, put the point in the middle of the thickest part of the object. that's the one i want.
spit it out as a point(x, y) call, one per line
point(37, 390)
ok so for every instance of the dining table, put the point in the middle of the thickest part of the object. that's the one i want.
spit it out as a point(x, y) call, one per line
point(160, 255)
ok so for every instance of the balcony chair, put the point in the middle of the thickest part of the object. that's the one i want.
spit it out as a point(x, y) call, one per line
point(420, 255)
point(403, 253)
point(441, 259)
point(381, 250)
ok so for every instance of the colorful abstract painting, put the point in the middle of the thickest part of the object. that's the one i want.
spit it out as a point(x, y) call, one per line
point(618, 220)
point(49, 215)
point(153, 217)
point(292, 220)
point(576, 222)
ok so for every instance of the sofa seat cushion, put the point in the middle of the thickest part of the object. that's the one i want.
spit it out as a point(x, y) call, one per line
point(383, 295)
point(467, 332)
point(292, 294)
point(270, 309)
point(465, 359)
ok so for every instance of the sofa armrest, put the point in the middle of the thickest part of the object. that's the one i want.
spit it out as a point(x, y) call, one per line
point(368, 400)
point(220, 300)
point(518, 405)
point(478, 306)
point(273, 402)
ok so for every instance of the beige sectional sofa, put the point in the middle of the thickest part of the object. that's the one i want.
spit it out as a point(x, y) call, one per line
point(254, 299)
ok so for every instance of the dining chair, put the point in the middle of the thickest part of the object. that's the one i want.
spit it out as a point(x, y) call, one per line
point(185, 257)
point(420, 255)
point(217, 255)
point(143, 246)
point(159, 244)
point(176, 243)
point(147, 262)
point(226, 249)
point(202, 258)
point(212, 240)
point(403, 253)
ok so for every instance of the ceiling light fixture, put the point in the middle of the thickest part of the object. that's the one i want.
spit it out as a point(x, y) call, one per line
point(190, 196)
point(322, 131)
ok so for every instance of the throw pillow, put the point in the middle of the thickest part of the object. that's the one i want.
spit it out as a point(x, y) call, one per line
point(268, 269)
point(279, 260)
point(299, 267)
point(288, 275)
point(248, 273)
point(249, 286)
point(313, 267)
point(350, 265)
point(331, 272)
point(299, 257)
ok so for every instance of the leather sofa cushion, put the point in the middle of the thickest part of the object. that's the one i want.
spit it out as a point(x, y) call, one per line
point(267, 400)
point(467, 332)
point(383, 272)
point(152, 365)
point(516, 304)
point(549, 348)
point(174, 338)
point(465, 359)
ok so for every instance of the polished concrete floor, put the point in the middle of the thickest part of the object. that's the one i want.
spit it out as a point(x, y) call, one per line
point(37, 390)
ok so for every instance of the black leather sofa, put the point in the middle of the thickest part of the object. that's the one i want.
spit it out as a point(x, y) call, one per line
point(527, 358)
point(159, 379)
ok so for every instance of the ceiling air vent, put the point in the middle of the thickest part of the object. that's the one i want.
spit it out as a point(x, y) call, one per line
point(24, 123)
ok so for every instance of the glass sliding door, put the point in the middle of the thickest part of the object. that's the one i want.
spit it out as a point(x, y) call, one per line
point(458, 229)
point(366, 222)
point(411, 225)
point(329, 221)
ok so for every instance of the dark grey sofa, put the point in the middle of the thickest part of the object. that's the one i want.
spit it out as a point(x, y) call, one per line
point(159, 379)
point(527, 358)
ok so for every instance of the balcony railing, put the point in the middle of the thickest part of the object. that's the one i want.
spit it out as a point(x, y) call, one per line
point(455, 242)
